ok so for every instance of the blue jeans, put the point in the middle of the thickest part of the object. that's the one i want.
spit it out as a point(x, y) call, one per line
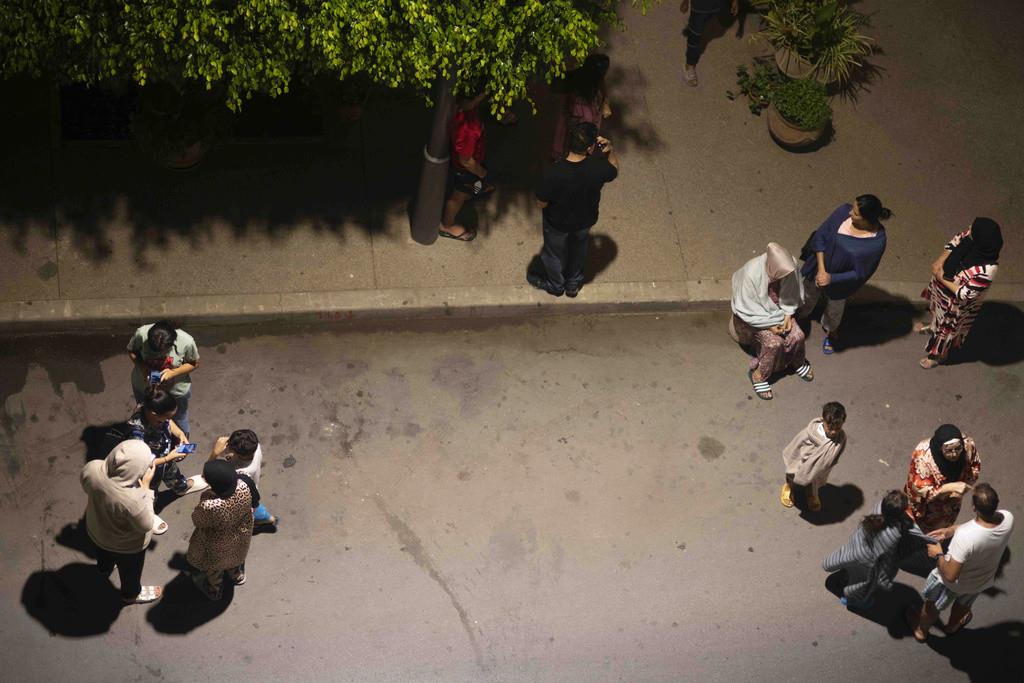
point(564, 256)
point(180, 417)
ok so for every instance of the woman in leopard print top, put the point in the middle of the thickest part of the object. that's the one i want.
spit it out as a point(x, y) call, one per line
point(223, 521)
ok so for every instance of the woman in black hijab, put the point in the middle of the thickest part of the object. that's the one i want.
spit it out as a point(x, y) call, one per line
point(960, 277)
point(223, 521)
point(942, 469)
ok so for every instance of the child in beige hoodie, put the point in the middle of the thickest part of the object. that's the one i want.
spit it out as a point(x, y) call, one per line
point(812, 454)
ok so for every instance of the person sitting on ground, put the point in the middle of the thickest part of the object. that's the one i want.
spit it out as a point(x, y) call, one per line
point(872, 555)
point(242, 449)
point(970, 566)
point(466, 172)
point(766, 292)
point(223, 528)
point(812, 454)
point(119, 515)
point(942, 469)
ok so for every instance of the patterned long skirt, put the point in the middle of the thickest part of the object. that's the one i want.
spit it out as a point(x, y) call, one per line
point(951, 319)
point(775, 352)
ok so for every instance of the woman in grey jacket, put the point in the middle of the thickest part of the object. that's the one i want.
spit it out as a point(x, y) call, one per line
point(119, 515)
point(872, 555)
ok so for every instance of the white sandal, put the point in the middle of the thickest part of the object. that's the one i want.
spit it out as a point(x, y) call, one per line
point(159, 526)
point(147, 594)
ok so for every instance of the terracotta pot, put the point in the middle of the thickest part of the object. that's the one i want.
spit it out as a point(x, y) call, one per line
point(187, 158)
point(789, 135)
point(793, 65)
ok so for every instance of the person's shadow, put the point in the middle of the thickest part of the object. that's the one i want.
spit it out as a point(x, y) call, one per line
point(837, 503)
point(74, 601)
point(985, 654)
point(183, 607)
point(888, 608)
point(601, 251)
point(885, 319)
point(99, 440)
point(996, 338)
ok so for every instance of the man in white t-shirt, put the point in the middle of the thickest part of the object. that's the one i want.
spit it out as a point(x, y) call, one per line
point(969, 567)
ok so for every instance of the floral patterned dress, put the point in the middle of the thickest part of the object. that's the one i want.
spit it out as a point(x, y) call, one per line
point(953, 314)
point(929, 508)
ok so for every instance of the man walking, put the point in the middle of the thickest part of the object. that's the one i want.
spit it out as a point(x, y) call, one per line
point(701, 12)
point(570, 192)
point(968, 568)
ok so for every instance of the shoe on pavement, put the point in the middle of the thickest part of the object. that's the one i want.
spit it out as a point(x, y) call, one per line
point(690, 76)
point(787, 496)
point(541, 283)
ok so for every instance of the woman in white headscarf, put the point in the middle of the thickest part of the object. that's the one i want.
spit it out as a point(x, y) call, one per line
point(766, 293)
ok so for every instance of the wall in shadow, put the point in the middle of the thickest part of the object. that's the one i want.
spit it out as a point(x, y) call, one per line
point(74, 601)
point(837, 503)
point(996, 338)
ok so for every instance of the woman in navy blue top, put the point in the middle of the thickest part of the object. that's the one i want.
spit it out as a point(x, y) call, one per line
point(839, 257)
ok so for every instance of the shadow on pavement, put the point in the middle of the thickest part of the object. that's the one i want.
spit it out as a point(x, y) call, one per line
point(183, 608)
point(984, 654)
point(601, 251)
point(99, 440)
point(75, 537)
point(888, 607)
point(996, 338)
point(869, 324)
point(74, 601)
point(837, 503)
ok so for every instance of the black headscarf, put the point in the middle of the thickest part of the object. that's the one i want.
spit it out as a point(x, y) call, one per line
point(952, 470)
point(981, 248)
point(221, 477)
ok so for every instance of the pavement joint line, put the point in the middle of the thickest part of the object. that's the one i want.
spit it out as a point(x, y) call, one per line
point(414, 303)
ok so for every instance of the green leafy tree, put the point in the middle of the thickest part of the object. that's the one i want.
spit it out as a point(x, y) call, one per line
point(242, 47)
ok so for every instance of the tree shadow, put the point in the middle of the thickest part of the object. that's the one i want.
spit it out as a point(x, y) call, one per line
point(74, 601)
point(837, 503)
point(183, 607)
point(996, 338)
point(888, 608)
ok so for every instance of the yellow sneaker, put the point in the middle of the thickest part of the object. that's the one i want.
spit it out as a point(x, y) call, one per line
point(787, 496)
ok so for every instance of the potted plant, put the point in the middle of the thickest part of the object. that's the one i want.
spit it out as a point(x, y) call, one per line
point(758, 84)
point(176, 129)
point(799, 113)
point(816, 38)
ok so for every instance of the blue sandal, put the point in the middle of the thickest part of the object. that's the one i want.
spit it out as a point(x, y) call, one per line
point(826, 346)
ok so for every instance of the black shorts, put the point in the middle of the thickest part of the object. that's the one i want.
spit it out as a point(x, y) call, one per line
point(461, 180)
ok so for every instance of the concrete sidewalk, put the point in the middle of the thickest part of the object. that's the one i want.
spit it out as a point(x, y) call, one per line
point(93, 235)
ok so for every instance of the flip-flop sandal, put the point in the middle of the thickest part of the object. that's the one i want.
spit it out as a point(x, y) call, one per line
point(921, 328)
point(805, 373)
point(240, 581)
point(960, 627)
point(270, 521)
point(467, 236)
point(910, 615)
point(929, 363)
point(826, 347)
point(786, 497)
point(159, 526)
point(762, 389)
point(147, 594)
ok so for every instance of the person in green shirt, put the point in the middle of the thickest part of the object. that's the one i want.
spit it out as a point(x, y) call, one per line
point(166, 356)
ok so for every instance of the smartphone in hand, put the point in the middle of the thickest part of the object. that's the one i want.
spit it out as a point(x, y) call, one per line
point(187, 448)
point(154, 377)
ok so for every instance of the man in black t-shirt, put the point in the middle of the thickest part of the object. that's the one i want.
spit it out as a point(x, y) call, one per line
point(569, 192)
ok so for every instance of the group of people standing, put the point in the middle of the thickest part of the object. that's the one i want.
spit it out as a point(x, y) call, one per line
point(774, 290)
point(120, 517)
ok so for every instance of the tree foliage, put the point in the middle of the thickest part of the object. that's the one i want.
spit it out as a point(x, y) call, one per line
point(243, 47)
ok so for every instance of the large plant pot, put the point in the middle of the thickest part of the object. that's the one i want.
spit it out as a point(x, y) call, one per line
point(791, 136)
point(793, 65)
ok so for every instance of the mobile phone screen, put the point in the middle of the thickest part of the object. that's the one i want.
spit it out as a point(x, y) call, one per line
point(187, 448)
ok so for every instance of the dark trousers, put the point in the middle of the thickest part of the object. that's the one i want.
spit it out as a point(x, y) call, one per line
point(564, 256)
point(695, 34)
point(129, 568)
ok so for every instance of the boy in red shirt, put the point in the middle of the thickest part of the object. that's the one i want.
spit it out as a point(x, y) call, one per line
point(466, 173)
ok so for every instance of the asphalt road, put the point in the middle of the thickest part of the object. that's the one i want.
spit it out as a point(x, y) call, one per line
point(570, 499)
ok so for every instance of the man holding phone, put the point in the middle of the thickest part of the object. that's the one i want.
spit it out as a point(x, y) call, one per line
point(570, 193)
